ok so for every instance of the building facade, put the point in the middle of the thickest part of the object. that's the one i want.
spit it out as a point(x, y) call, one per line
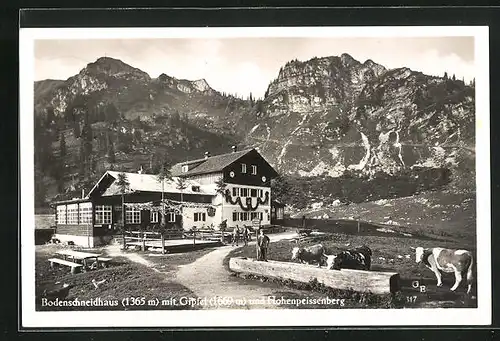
point(228, 190)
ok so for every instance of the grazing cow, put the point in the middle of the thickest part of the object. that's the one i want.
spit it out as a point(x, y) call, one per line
point(447, 260)
point(309, 255)
point(359, 258)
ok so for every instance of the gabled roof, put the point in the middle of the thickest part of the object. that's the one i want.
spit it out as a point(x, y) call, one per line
point(213, 164)
point(149, 183)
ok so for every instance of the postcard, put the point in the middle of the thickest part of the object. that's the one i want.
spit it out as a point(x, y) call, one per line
point(260, 176)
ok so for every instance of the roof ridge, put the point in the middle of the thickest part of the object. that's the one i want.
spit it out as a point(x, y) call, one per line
point(214, 156)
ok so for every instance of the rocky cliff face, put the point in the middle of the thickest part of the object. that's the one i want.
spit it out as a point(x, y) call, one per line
point(330, 115)
point(319, 84)
point(326, 116)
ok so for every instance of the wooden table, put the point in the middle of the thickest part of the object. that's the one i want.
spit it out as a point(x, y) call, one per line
point(79, 255)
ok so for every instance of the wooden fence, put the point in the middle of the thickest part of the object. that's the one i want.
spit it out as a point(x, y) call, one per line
point(149, 238)
point(145, 239)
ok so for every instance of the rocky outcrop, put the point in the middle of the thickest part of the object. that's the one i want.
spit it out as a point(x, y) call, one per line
point(324, 116)
point(335, 114)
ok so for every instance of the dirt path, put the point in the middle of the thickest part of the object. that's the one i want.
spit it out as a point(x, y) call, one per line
point(208, 278)
point(114, 250)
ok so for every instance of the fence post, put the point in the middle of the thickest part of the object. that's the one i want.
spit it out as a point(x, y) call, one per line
point(194, 237)
point(143, 241)
point(257, 249)
point(124, 240)
point(162, 244)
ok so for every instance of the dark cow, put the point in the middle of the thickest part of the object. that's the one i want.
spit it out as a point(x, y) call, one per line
point(359, 258)
point(447, 260)
point(310, 254)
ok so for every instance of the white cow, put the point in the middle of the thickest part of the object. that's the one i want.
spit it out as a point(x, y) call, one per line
point(447, 260)
point(330, 260)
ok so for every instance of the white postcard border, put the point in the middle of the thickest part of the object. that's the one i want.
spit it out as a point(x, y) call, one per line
point(280, 317)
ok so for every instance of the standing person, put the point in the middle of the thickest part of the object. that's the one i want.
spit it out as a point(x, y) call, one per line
point(236, 235)
point(262, 244)
point(245, 235)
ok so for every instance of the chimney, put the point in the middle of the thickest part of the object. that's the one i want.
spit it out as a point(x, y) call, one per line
point(207, 155)
point(140, 170)
point(234, 148)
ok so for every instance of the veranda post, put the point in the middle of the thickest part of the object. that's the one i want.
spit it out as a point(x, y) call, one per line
point(123, 185)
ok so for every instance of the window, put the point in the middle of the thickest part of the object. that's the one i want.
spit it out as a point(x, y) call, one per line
point(253, 215)
point(243, 168)
point(254, 170)
point(61, 214)
point(103, 214)
point(195, 188)
point(86, 213)
point(185, 168)
point(171, 217)
point(235, 191)
point(243, 216)
point(132, 215)
point(154, 216)
point(244, 192)
point(253, 192)
point(261, 216)
point(260, 193)
point(72, 214)
point(199, 217)
point(235, 216)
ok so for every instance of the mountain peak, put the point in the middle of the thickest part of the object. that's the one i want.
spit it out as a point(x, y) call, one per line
point(201, 84)
point(115, 67)
point(347, 59)
point(102, 61)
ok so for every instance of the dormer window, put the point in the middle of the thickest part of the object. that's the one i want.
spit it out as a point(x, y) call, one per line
point(185, 168)
point(195, 188)
point(243, 167)
point(254, 170)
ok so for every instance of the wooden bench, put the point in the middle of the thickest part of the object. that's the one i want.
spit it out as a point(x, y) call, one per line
point(73, 266)
point(104, 261)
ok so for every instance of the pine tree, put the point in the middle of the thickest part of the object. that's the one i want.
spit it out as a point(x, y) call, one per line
point(175, 118)
point(111, 113)
point(280, 189)
point(162, 175)
point(453, 78)
point(87, 137)
point(220, 188)
point(445, 75)
point(181, 185)
point(260, 106)
point(62, 146)
point(50, 116)
point(123, 188)
point(111, 152)
point(83, 159)
point(76, 129)
point(40, 191)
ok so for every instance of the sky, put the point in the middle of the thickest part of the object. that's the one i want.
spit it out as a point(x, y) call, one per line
point(247, 65)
